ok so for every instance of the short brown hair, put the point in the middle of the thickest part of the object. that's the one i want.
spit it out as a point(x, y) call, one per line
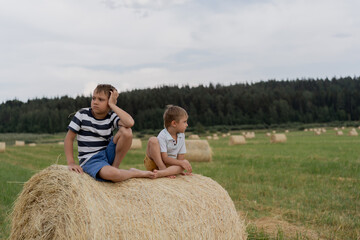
point(106, 88)
point(173, 113)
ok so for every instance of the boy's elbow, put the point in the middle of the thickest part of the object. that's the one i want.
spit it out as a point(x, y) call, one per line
point(132, 123)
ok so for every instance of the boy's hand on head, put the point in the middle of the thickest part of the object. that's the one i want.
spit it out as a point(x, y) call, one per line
point(186, 165)
point(113, 97)
point(75, 168)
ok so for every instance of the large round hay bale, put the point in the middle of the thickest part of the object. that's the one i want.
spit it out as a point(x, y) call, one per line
point(339, 133)
point(136, 143)
point(353, 132)
point(194, 136)
point(19, 143)
point(278, 138)
point(250, 135)
point(198, 151)
point(2, 146)
point(237, 140)
point(59, 204)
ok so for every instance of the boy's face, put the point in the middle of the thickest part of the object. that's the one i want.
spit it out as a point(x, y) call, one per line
point(182, 124)
point(99, 103)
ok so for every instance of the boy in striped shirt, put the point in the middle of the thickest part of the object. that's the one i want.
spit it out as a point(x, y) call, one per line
point(100, 154)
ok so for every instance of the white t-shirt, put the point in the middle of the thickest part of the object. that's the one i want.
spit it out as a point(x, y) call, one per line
point(169, 145)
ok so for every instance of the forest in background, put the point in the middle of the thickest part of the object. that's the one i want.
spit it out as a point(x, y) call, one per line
point(261, 105)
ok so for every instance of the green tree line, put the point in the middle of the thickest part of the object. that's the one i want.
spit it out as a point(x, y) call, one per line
point(264, 103)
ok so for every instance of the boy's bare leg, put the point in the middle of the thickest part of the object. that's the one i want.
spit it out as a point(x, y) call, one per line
point(122, 139)
point(117, 175)
point(153, 152)
point(169, 172)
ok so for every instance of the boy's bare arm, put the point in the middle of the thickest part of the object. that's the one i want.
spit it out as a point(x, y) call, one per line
point(125, 119)
point(69, 152)
point(173, 161)
point(187, 164)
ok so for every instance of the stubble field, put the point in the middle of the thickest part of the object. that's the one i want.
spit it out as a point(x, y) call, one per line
point(306, 188)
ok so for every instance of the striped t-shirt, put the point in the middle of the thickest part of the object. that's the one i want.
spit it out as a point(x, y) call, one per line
point(93, 135)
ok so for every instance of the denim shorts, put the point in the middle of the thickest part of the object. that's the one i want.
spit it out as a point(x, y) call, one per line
point(98, 161)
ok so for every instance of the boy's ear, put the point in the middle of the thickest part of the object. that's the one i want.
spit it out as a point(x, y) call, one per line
point(173, 123)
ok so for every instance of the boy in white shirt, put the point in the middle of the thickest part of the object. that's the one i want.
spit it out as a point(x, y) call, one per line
point(165, 154)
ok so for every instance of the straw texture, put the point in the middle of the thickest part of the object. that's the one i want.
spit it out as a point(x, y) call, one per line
point(59, 204)
point(198, 151)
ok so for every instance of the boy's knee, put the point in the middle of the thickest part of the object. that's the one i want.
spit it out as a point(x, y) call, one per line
point(153, 140)
point(126, 132)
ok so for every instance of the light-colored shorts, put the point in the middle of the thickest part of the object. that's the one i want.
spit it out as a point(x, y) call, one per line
point(150, 165)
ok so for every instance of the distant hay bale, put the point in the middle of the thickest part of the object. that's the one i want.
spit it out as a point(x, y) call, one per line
point(305, 130)
point(268, 134)
point(317, 132)
point(278, 138)
point(336, 129)
point(250, 135)
point(224, 135)
point(32, 144)
point(237, 140)
point(136, 143)
point(323, 130)
point(339, 133)
point(209, 137)
point(61, 143)
point(19, 143)
point(2, 146)
point(353, 132)
point(59, 204)
point(215, 135)
point(215, 138)
point(198, 151)
point(194, 136)
point(286, 131)
point(273, 131)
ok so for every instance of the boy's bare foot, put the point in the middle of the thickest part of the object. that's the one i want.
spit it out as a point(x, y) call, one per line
point(145, 174)
point(186, 173)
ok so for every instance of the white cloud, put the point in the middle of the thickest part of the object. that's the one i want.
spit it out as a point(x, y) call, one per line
point(141, 43)
point(143, 4)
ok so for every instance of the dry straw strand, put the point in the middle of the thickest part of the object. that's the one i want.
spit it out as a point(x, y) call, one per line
point(198, 151)
point(59, 204)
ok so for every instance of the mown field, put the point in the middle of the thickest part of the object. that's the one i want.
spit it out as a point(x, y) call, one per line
point(306, 188)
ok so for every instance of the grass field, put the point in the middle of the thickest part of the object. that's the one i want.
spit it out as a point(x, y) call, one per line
point(306, 188)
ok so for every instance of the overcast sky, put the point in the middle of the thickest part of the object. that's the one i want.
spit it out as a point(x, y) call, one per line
point(67, 47)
